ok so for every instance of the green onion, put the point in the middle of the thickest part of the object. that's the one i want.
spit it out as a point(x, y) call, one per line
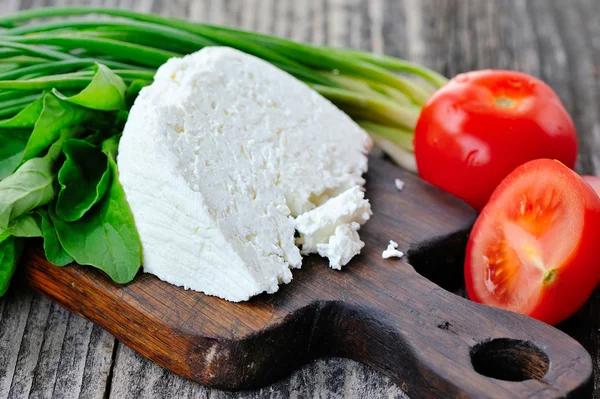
point(165, 32)
point(394, 64)
point(375, 108)
point(121, 50)
point(49, 68)
point(58, 82)
point(11, 107)
point(23, 60)
point(35, 51)
point(382, 93)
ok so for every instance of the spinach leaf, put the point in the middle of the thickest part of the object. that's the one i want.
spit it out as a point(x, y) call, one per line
point(32, 185)
point(55, 115)
point(84, 179)
point(26, 189)
point(110, 147)
point(106, 92)
point(48, 116)
point(27, 225)
point(10, 251)
point(106, 236)
point(134, 90)
point(55, 111)
point(111, 124)
point(12, 148)
point(27, 117)
point(55, 253)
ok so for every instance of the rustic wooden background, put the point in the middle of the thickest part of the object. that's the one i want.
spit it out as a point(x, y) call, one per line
point(47, 352)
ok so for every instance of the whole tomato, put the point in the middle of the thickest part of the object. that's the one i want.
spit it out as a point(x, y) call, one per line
point(479, 127)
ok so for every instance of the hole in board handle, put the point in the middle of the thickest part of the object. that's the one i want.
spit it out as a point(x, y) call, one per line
point(509, 360)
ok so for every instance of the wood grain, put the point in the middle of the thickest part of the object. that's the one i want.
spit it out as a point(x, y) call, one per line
point(532, 35)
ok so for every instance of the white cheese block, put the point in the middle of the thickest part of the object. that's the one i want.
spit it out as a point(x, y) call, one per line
point(217, 157)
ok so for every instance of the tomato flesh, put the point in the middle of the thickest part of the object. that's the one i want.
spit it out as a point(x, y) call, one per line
point(533, 248)
point(479, 127)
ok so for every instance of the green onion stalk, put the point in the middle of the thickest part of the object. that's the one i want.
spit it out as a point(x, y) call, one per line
point(383, 94)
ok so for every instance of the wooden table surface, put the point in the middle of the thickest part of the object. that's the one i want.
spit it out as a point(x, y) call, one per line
point(47, 352)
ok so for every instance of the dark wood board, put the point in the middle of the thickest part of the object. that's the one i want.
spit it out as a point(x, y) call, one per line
point(431, 342)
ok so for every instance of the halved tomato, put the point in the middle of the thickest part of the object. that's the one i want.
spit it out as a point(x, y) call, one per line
point(593, 181)
point(534, 248)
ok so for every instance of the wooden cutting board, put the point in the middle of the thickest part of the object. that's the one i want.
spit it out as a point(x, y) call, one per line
point(431, 342)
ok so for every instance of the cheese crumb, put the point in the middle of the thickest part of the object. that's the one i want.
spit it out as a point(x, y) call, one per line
point(331, 229)
point(391, 251)
point(399, 184)
point(344, 245)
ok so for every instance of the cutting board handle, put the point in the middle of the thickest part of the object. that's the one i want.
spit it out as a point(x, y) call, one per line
point(439, 343)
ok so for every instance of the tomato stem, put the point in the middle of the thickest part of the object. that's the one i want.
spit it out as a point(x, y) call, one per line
point(505, 102)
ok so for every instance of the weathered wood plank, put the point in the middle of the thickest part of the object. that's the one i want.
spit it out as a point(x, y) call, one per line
point(70, 370)
point(135, 377)
point(48, 352)
point(98, 362)
point(15, 313)
point(46, 363)
point(30, 346)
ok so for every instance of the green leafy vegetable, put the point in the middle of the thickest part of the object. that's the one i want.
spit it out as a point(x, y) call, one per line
point(26, 189)
point(55, 253)
point(106, 236)
point(133, 90)
point(47, 115)
point(12, 148)
point(27, 117)
point(106, 92)
point(84, 179)
point(55, 115)
point(54, 111)
point(27, 225)
point(10, 251)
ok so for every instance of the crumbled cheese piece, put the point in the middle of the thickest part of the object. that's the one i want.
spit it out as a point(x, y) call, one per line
point(342, 246)
point(391, 251)
point(320, 226)
point(399, 184)
point(218, 156)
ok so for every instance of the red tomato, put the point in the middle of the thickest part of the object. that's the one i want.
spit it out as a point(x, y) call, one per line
point(479, 127)
point(534, 248)
point(593, 181)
